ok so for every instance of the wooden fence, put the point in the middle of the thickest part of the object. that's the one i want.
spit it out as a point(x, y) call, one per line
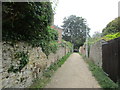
point(111, 58)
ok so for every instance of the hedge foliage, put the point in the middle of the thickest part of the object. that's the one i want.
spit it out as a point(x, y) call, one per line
point(26, 20)
point(112, 27)
point(29, 22)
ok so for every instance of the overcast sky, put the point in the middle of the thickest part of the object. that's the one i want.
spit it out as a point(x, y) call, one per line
point(97, 12)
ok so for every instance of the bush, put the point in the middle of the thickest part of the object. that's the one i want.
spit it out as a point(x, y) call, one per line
point(112, 27)
point(111, 36)
point(26, 21)
point(50, 47)
point(52, 34)
point(49, 42)
point(29, 22)
point(67, 44)
point(53, 46)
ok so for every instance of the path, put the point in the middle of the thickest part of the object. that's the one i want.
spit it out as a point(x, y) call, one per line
point(74, 73)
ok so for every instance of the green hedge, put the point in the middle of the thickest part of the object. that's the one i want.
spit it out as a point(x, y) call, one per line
point(29, 22)
point(26, 20)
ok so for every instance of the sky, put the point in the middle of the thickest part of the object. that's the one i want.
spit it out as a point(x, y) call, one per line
point(98, 13)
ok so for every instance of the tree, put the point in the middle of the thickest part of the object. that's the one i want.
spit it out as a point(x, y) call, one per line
point(96, 35)
point(112, 27)
point(74, 30)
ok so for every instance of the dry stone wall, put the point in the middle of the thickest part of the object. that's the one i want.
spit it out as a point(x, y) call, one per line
point(37, 63)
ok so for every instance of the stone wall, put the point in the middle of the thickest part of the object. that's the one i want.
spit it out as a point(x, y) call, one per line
point(96, 52)
point(38, 62)
point(82, 50)
point(60, 35)
point(0, 65)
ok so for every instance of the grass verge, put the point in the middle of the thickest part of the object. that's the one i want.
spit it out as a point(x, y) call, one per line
point(41, 83)
point(103, 80)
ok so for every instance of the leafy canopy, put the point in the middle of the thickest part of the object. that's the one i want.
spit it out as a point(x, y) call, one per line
point(75, 30)
point(112, 27)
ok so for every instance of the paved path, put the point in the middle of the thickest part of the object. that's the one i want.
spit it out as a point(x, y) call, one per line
point(74, 73)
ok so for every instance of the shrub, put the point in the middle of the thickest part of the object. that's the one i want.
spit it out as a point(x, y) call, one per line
point(112, 27)
point(53, 46)
point(29, 22)
point(67, 44)
point(26, 21)
point(111, 36)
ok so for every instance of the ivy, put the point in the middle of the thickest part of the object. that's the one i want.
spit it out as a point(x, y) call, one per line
point(24, 59)
point(29, 22)
point(53, 46)
point(26, 21)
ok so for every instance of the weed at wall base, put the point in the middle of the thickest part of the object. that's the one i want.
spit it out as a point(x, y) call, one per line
point(100, 76)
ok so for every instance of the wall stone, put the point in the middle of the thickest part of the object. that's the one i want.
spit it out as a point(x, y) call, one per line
point(38, 62)
point(96, 52)
point(1, 65)
point(82, 50)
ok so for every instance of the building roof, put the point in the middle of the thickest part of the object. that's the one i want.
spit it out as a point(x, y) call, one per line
point(56, 27)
